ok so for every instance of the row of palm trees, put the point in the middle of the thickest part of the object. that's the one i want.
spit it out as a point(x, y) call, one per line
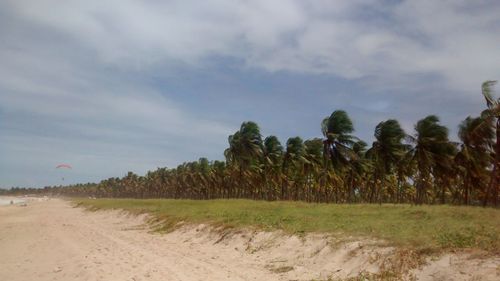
point(422, 167)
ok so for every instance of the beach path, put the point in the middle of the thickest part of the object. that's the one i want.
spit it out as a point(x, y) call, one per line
point(52, 240)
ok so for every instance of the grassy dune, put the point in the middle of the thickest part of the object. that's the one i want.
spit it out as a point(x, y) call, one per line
point(427, 228)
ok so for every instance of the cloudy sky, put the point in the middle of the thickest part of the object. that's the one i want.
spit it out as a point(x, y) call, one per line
point(131, 85)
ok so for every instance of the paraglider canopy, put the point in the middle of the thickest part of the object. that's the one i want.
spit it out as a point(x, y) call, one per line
point(63, 166)
point(67, 166)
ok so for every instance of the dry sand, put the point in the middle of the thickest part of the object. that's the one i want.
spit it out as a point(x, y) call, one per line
point(51, 240)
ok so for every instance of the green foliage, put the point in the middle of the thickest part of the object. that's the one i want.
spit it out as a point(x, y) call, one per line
point(425, 167)
point(338, 141)
point(474, 157)
point(491, 116)
point(337, 125)
point(433, 154)
point(421, 227)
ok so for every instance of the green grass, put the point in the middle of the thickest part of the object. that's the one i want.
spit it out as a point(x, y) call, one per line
point(426, 228)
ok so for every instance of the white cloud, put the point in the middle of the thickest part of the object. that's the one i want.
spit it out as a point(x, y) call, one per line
point(447, 38)
point(64, 63)
point(58, 107)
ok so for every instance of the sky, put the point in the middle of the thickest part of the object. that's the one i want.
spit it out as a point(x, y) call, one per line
point(111, 86)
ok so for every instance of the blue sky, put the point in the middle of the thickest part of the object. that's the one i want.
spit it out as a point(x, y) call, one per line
point(126, 85)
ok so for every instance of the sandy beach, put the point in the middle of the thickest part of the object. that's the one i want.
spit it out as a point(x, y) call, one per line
point(49, 239)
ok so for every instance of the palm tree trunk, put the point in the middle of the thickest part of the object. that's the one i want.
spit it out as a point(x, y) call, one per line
point(373, 189)
point(466, 189)
point(495, 175)
point(351, 189)
point(400, 189)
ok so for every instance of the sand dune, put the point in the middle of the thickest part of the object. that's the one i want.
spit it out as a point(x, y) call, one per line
point(51, 240)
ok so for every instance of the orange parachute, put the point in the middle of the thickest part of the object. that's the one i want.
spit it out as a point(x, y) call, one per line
point(67, 166)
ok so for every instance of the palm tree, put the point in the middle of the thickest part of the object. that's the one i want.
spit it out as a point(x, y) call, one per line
point(474, 155)
point(492, 116)
point(444, 170)
point(245, 151)
point(219, 179)
point(312, 167)
point(130, 185)
point(387, 151)
point(273, 160)
point(273, 150)
point(432, 147)
point(293, 167)
point(338, 141)
point(357, 168)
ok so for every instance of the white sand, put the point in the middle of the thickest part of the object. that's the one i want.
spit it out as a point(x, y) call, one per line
point(50, 240)
point(10, 200)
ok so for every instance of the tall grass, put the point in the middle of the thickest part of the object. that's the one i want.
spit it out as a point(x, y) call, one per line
point(421, 227)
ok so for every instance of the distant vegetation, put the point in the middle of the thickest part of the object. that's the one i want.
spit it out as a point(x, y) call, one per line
point(421, 167)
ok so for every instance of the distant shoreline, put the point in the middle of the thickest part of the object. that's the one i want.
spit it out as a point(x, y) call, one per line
point(5, 200)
